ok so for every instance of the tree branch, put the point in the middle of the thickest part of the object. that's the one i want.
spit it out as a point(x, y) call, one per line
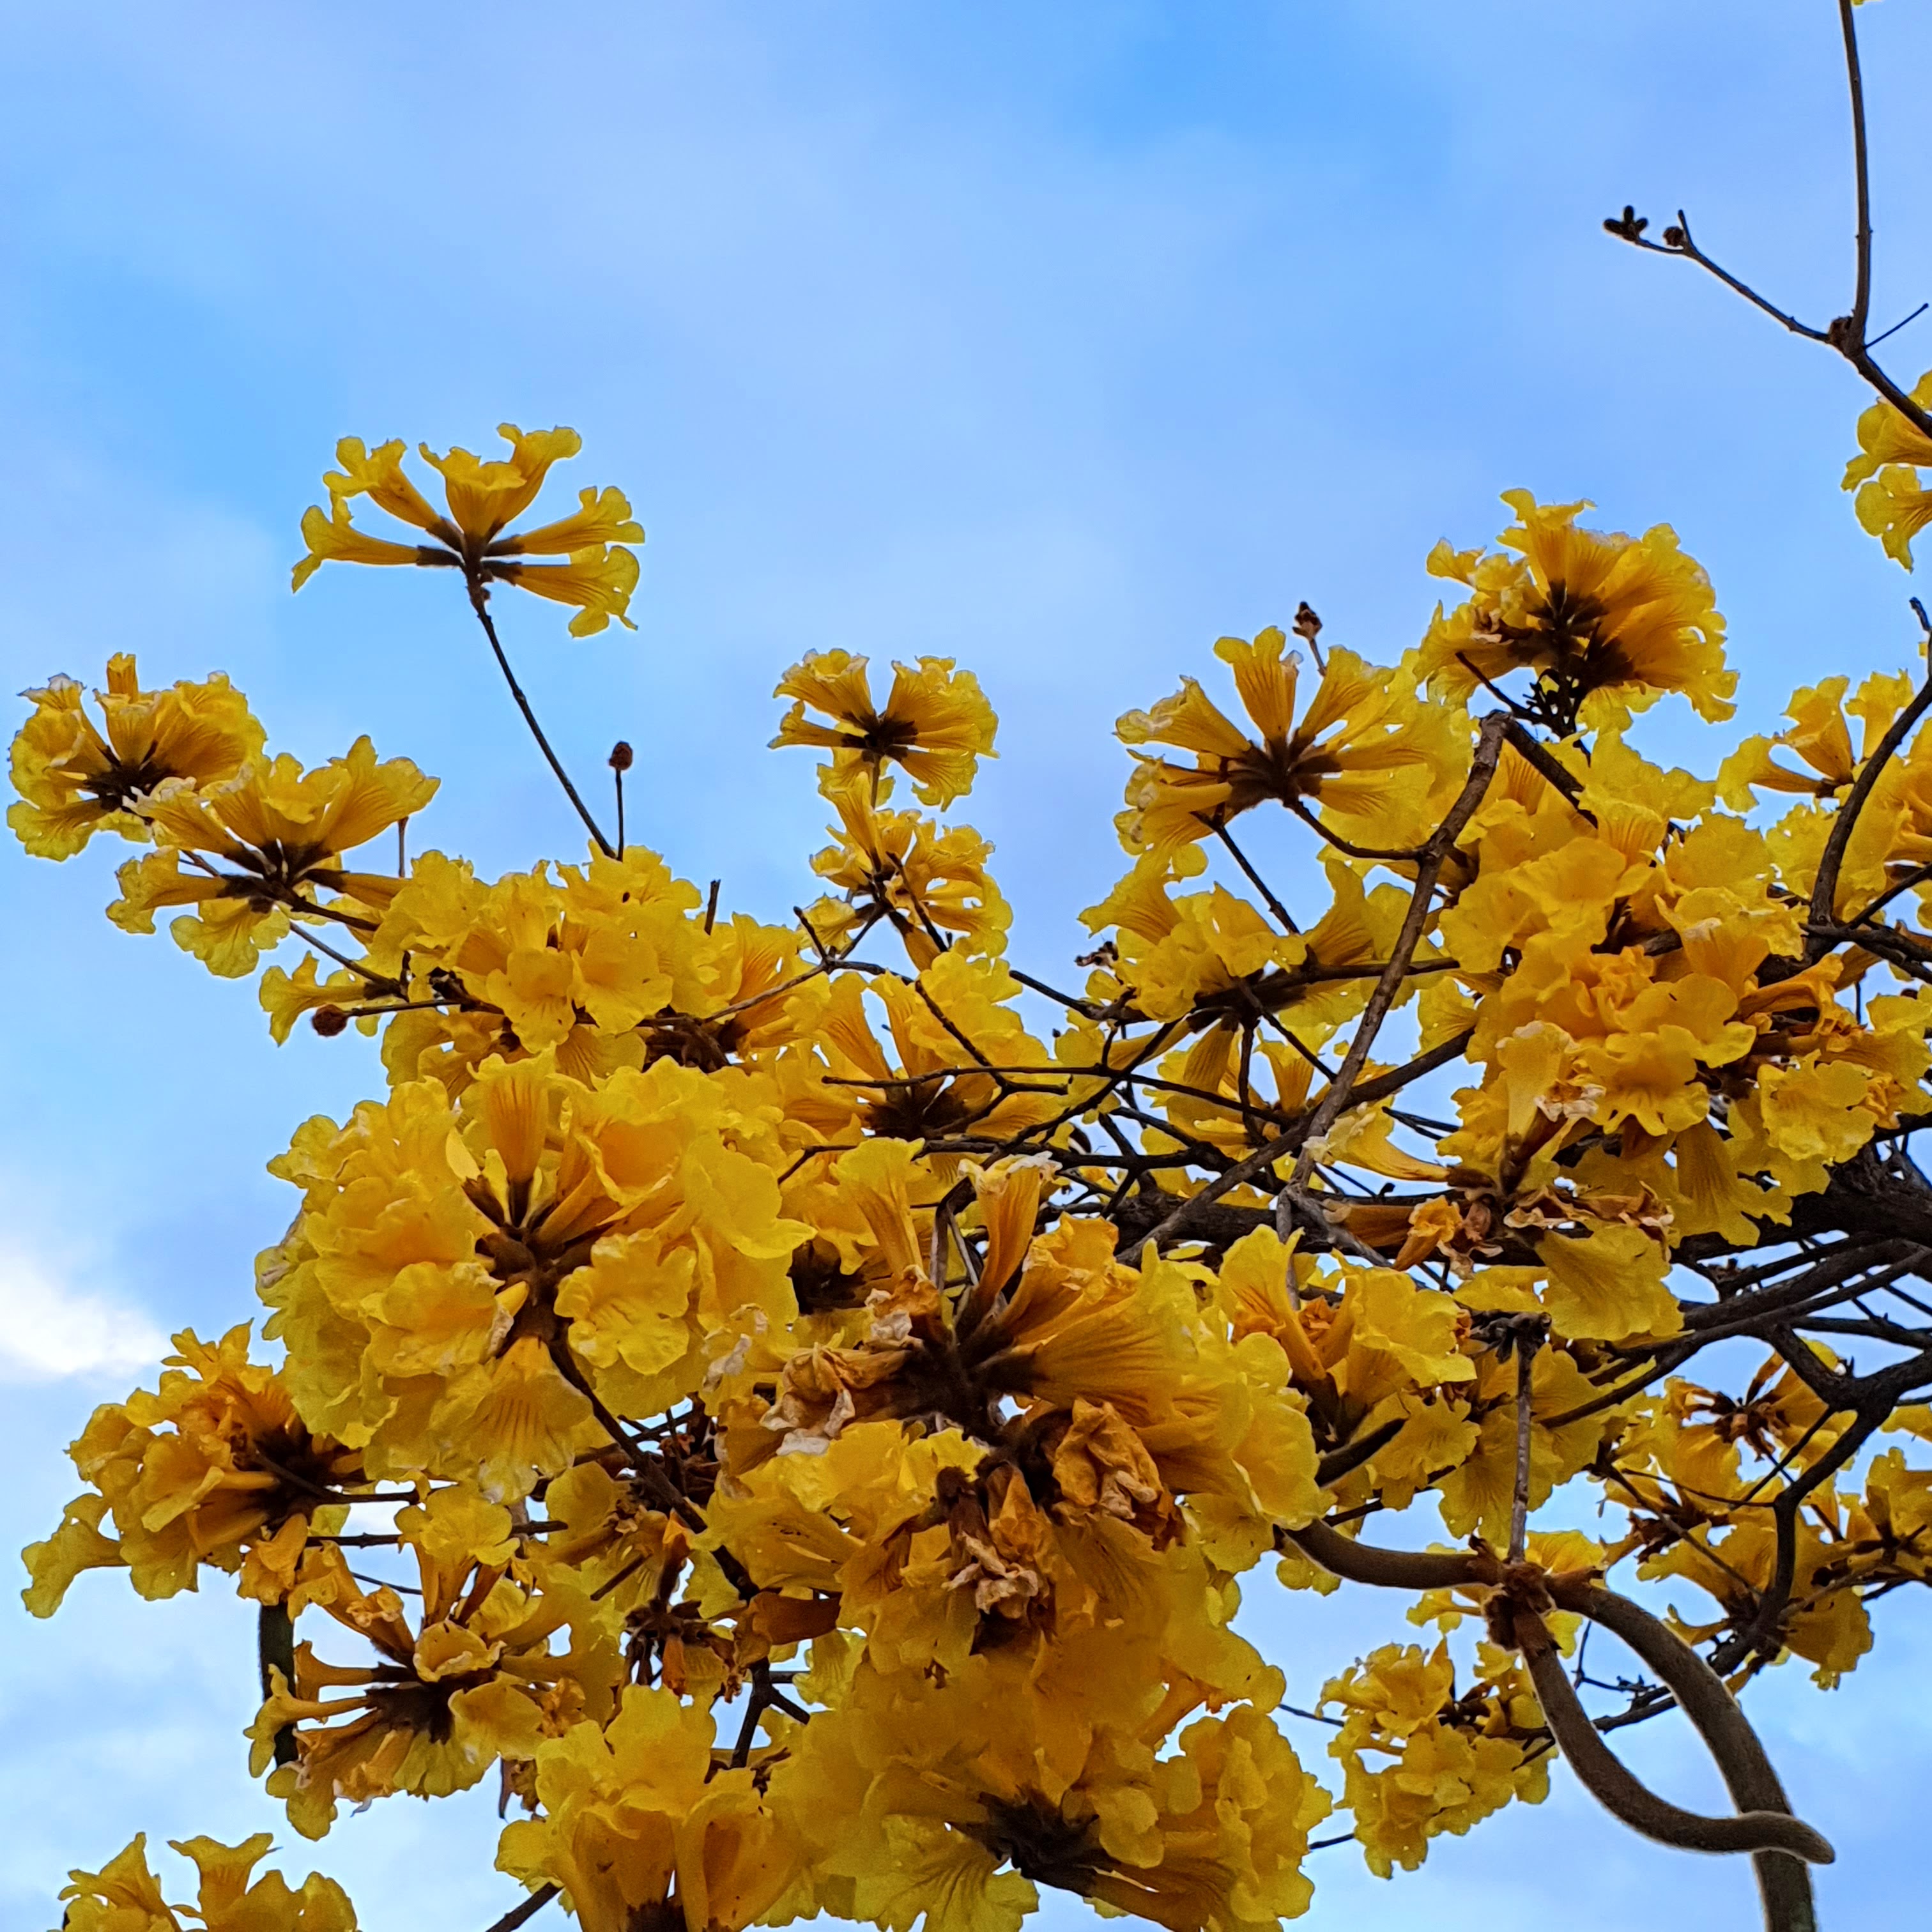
point(479, 603)
point(1824, 891)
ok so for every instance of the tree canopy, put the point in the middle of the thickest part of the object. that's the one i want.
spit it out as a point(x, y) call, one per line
point(798, 1401)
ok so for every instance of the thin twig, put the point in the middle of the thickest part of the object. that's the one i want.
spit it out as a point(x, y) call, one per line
point(1825, 890)
point(1896, 326)
point(1403, 855)
point(1482, 769)
point(1292, 1137)
point(1538, 757)
point(1256, 880)
point(1066, 1000)
point(479, 603)
point(621, 758)
point(1686, 247)
point(1861, 312)
point(1845, 333)
point(1526, 1347)
point(1495, 691)
point(530, 1907)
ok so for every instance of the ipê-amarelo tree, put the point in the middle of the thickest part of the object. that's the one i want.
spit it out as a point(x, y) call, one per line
point(800, 1397)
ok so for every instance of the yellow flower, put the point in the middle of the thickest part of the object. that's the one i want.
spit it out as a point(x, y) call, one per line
point(1826, 1623)
point(608, 1535)
point(1419, 1760)
point(1213, 958)
point(448, 1699)
point(613, 964)
point(935, 722)
point(1173, 954)
point(459, 1271)
point(598, 580)
point(1895, 507)
point(76, 779)
point(1592, 614)
point(533, 962)
point(1885, 437)
point(708, 1292)
point(1892, 504)
point(285, 997)
point(124, 1896)
point(938, 1090)
point(333, 539)
point(1123, 1399)
point(214, 1468)
point(1609, 1286)
point(283, 831)
point(1478, 1495)
point(483, 497)
point(1382, 1351)
point(642, 1826)
point(931, 883)
point(966, 1797)
point(486, 496)
point(1369, 760)
point(1819, 736)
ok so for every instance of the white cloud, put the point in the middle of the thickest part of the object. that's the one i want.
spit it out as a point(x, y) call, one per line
point(51, 1328)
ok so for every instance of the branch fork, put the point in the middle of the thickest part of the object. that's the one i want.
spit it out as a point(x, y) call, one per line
point(1520, 1596)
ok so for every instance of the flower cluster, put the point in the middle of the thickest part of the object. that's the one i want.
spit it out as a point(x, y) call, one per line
point(804, 1399)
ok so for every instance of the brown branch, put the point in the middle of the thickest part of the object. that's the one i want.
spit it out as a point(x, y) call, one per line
point(1538, 757)
point(1871, 1399)
point(1066, 1000)
point(1350, 1457)
point(1824, 891)
point(1482, 769)
point(479, 603)
point(1256, 880)
point(1527, 1344)
point(1388, 1569)
point(1636, 1385)
point(1677, 241)
point(1917, 876)
point(1605, 1777)
point(1185, 1215)
point(1710, 1319)
point(1784, 1884)
point(530, 1907)
point(1857, 320)
point(375, 982)
point(1845, 333)
point(1401, 855)
point(1520, 711)
point(275, 1652)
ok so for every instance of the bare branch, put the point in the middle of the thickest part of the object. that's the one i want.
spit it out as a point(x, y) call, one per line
point(479, 602)
point(1857, 322)
point(1482, 769)
point(530, 1907)
point(1825, 892)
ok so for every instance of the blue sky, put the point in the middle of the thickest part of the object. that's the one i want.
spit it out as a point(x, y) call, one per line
point(1062, 340)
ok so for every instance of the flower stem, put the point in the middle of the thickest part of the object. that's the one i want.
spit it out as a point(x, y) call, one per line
point(478, 602)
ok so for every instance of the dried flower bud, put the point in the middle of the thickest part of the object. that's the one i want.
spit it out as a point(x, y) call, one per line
point(329, 1021)
point(621, 757)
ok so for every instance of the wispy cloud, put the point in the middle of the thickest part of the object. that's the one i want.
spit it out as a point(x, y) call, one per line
point(53, 1327)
